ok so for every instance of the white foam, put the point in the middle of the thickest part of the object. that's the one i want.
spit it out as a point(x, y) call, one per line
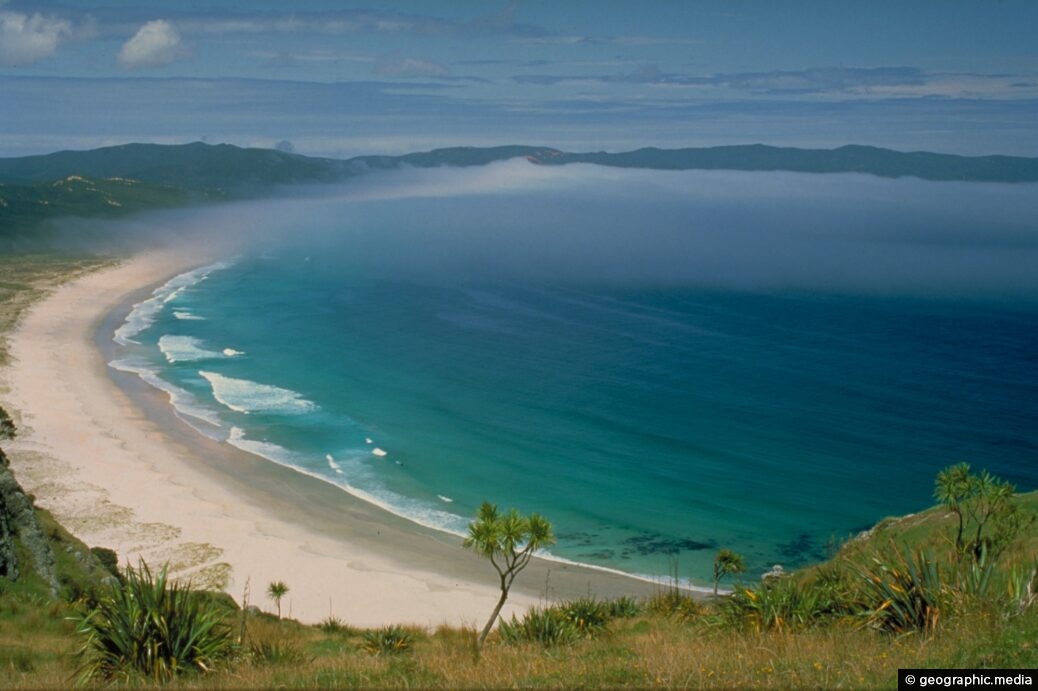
point(444, 499)
point(187, 316)
point(144, 313)
point(231, 352)
point(379, 452)
point(184, 349)
point(183, 402)
point(332, 464)
point(264, 449)
point(174, 295)
point(140, 318)
point(244, 396)
point(367, 440)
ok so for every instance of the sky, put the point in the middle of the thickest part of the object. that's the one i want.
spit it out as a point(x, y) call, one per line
point(349, 78)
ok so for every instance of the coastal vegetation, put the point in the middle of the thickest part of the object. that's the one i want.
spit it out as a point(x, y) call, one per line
point(149, 627)
point(987, 516)
point(899, 595)
point(508, 541)
point(74, 195)
point(727, 562)
point(24, 278)
point(275, 591)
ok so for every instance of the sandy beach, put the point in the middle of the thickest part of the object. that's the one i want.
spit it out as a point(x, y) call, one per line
point(119, 470)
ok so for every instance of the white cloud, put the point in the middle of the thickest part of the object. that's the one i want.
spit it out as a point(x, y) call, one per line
point(155, 44)
point(25, 39)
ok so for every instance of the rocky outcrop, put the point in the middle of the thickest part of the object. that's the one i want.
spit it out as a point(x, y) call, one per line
point(7, 429)
point(19, 525)
point(8, 555)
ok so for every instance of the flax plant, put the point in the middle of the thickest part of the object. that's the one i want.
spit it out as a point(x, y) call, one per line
point(150, 627)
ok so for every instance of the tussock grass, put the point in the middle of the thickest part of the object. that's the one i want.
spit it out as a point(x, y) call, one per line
point(389, 640)
point(642, 651)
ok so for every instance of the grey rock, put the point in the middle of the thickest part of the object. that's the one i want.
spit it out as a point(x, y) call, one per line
point(18, 521)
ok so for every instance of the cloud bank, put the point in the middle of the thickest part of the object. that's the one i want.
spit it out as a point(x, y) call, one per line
point(25, 39)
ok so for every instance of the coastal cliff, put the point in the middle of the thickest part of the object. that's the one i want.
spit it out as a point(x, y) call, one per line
point(35, 549)
point(23, 543)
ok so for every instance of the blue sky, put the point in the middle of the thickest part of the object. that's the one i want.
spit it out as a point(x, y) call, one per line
point(348, 78)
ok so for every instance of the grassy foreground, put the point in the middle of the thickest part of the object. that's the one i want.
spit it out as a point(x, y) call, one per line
point(641, 652)
point(803, 641)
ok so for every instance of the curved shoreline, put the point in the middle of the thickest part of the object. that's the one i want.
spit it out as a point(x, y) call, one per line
point(106, 453)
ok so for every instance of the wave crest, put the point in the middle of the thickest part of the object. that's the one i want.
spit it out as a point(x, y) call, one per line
point(245, 396)
point(185, 349)
point(144, 313)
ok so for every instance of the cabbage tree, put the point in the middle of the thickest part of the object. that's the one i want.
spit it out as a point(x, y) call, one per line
point(508, 541)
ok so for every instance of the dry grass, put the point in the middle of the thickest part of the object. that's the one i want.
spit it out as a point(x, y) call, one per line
point(26, 278)
point(645, 651)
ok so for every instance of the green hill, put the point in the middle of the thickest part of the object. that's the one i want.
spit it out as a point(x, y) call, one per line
point(846, 159)
point(217, 171)
point(222, 170)
point(80, 196)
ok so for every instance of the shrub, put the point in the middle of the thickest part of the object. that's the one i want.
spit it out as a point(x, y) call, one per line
point(779, 605)
point(623, 607)
point(548, 626)
point(1021, 582)
point(149, 626)
point(389, 640)
point(588, 615)
point(276, 652)
point(7, 428)
point(675, 604)
point(109, 560)
point(904, 593)
point(835, 592)
point(335, 625)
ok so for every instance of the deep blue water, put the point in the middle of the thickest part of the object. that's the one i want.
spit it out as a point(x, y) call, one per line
point(652, 422)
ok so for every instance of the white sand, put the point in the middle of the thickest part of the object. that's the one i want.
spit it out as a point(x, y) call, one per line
point(117, 479)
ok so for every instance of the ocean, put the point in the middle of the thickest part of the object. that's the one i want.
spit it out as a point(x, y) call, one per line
point(663, 365)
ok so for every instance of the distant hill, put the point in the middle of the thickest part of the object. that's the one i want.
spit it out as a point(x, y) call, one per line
point(76, 195)
point(118, 180)
point(222, 170)
point(214, 171)
point(225, 171)
point(846, 159)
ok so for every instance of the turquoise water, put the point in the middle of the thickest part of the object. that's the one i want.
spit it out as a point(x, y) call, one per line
point(652, 421)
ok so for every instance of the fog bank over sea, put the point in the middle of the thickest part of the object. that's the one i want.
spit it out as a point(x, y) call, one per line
point(663, 363)
point(844, 233)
